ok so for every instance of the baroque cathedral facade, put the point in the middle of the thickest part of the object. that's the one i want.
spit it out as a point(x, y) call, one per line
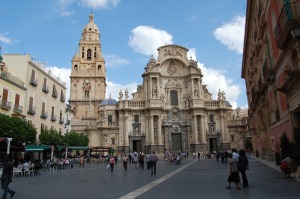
point(170, 111)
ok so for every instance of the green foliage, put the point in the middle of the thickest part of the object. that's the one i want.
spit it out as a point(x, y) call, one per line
point(286, 146)
point(18, 129)
point(76, 139)
point(51, 137)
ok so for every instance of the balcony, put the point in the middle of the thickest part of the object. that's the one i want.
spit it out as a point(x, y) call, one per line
point(268, 70)
point(53, 118)
point(45, 89)
point(18, 108)
point(33, 82)
point(31, 110)
point(61, 120)
point(288, 19)
point(5, 104)
point(62, 98)
point(54, 94)
point(44, 114)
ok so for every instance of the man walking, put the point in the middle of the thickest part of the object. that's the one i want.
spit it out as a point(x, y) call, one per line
point(153, 160)
point(6, 177)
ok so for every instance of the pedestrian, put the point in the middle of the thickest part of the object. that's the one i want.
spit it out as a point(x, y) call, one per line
point(198, 155)
point(243, 165)
point(112, 163)
point(125, 162)
point(135, 159)
point(233, 172)
point(6, 177)
point(235, 155)
point(147, 158)
point(153, 160)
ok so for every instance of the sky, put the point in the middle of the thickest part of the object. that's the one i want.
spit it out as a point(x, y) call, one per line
point(130, 33)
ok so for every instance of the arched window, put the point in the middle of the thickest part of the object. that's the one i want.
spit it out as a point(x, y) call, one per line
point(75, 67)
point(89, 54)
point(174, 97)
point(82, 52)
point(99, 67)
point(95, 54)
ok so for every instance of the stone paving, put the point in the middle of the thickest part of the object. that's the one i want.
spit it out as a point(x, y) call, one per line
point(203, 178)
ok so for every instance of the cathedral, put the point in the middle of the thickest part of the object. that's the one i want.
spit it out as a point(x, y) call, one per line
point(170, 111)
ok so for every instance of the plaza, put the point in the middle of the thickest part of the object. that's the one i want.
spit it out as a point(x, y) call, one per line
point(204, 178)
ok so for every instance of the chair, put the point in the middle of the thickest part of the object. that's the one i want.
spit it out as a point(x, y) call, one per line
point(28, 171)
point(18, 171)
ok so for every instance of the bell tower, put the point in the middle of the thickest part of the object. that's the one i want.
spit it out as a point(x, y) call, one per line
point(88, 74)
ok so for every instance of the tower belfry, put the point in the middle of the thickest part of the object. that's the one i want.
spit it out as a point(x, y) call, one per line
point(88, 75)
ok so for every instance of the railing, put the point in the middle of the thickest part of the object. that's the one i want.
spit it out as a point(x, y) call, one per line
point(18, 108)
point(54, 94)
point(287, 20)
point(44, 114)
point(235, 122)
point(4, 75)
point(211, 103)
point(5, 104)
point(45, 89)
point(31, 110)
point(34, 82)
point(53, 118)
point(112, 124)
point(138, 104)
point(62, 98)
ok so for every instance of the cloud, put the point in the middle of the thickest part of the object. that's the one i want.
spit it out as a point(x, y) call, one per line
point(67, 13)
point(231, 34)
point(99, 4)
point(146, 40)
point(5, 40)
point(114, 61)
point(64, 75)
point(215, 80)
point(113, 89)
point(192, 54)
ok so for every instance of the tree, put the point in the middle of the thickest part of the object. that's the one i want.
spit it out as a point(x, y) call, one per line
point(51, 137)
point(76, 139)
point(286, 146)
point(17, 128)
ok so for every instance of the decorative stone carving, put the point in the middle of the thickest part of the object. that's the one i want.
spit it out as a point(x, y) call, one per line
point(172, 69)
point(126, 94)
point(120, 95)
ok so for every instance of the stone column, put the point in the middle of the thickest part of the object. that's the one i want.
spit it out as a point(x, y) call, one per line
point(222, 128)
point(147, 136)
point(126, 143)
point(151, 131)
point(159, 130)
point(195, 130)
point(192, 82)
point(203, 129)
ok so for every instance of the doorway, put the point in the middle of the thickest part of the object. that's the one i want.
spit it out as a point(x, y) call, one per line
point(137, 145)
point(213, 144)
point(176, 142)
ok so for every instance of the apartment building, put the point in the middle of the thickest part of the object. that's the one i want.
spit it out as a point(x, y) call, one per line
point(44, 104)
point(12, 92)
point(271, 70)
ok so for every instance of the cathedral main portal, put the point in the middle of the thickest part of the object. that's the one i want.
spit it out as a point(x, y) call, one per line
point(176, 142)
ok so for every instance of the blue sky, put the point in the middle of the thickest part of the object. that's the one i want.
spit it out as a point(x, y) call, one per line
point(130, 32)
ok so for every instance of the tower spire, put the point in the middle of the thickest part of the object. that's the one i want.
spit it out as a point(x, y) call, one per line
point(92, 17)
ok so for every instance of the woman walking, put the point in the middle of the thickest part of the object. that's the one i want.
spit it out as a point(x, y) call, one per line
point(233, 172)
point(243, 165)
point(125, 162)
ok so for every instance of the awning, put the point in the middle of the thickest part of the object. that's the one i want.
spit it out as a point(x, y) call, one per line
point(83, 148)
point(37, 148)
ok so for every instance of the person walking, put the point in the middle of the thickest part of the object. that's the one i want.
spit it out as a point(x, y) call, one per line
point(6, 177)
point(233, 172)
point(147, 158)
point(112, 163)
point(153, 160)
point(243, 165)
point(125, 161)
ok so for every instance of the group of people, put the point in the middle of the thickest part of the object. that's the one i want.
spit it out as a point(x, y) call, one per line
point(136, 159)
point(237, 163)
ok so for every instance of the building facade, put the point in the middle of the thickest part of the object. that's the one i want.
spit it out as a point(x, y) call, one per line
point(271, 71)
point(44, 104)
point(170, 111)
point(12, 92)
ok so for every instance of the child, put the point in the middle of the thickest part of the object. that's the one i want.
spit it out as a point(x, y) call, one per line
point(233, 172)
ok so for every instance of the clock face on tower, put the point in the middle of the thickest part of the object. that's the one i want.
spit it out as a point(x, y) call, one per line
point(87, 81)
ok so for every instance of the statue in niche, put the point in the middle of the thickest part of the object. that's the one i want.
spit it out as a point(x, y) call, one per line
point(120, 95)
point(126, 94)
point(154, 90)
point(162, 98)
point(104, 139)
point(196, 91)
point(187, 103)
